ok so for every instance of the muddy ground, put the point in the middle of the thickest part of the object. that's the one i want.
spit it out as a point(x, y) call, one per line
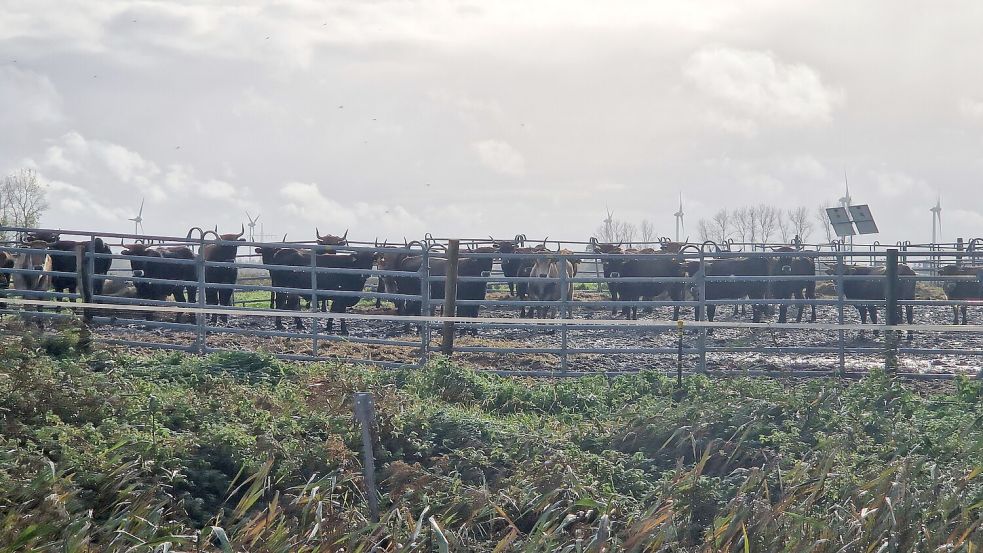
point(614, 339)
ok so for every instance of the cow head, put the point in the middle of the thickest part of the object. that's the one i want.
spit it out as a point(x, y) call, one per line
point(330, 239)
point(47, 236)
point(608, 248)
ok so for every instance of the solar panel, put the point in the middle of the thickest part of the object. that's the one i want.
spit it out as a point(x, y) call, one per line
point(863, 219)
point(842, 225)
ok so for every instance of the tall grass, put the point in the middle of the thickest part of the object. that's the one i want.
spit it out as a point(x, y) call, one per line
point(239, 452)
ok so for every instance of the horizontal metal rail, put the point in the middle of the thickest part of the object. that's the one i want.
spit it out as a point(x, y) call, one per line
point(699, 287)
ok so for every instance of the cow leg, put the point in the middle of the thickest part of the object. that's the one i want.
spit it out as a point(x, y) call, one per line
point(800, 296)
point(225, 298)
point(955, 315)
point(964, 308)
point(512, 289)
point(783, 313)
point(756, 311)
point(211, 298)
point(910, 316)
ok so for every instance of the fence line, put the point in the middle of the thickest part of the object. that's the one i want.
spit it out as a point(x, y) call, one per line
point(697, 285)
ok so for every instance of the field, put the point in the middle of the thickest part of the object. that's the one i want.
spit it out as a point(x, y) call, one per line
point(105, 450)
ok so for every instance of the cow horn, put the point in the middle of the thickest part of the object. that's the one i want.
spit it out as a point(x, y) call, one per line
point(344, 236)
point(376, 241)
point(284, 237)
point(318, 234)
point(241, 231)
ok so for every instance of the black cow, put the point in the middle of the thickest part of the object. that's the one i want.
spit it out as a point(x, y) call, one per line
point(651, 266)
point(291, 269)
point(473, 266)
point(511, 265)
point(740, 266)
point(961, 290)
point(610, 266)
point(799, 289)
point(348, 282)
point(220, 253)
point(66, 262)
point(146, 260)
point(875, 289)
point(467, 266)
point(6, 262)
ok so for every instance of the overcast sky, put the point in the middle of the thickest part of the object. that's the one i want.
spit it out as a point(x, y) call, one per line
point(398, 118)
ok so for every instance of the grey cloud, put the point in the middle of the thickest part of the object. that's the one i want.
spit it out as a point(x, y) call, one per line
point(576, 105)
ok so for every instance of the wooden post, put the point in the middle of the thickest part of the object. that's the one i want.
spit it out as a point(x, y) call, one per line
point(891, 310)
point(450, 295)
point(365, 414)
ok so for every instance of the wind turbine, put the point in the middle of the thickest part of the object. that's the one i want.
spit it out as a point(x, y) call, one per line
point(252, 226)
point(138, 220)
point(846, 199)
point(607, 225)
point(936, 220)
point(679, 217)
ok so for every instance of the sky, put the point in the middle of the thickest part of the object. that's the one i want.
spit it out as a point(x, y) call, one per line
point(395, 118)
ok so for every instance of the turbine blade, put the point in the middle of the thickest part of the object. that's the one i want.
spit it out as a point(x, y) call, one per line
point(140, 214)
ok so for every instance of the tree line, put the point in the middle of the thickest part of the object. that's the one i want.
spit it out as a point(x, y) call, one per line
point(764, 223)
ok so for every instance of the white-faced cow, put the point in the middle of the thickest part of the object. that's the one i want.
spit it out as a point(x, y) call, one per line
point(546, 271)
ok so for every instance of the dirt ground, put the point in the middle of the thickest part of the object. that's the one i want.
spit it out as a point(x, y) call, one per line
point(617, 340)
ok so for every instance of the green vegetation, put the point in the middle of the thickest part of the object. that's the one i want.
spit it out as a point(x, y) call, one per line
point(104, 451)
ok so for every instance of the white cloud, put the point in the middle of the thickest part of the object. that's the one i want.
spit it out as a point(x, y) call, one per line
point(805, 166)
point(28, 97)
point(750, 86)
point(897, 184)
point(501, 157)
point(971, 108)
point(307, 201)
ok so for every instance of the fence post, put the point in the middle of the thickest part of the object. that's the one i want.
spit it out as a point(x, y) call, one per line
point(891, 311)
point(200, 316)
point(90, 267)
point(314, 300)
point(365, 414)
point(960, 246)
point(564, 307)
point(450, 295)
point(424, 307)
point(701, 287)
point(841, 315)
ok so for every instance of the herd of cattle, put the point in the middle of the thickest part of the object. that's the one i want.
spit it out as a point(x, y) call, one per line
point(632, 275)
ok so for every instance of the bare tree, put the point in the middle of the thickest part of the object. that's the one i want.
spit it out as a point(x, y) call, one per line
point(646, 231)
point(767, 220)
point(785, 231)
point(22, 199)
point(746, 224)
point(717, 229)
point(614, 231)
point(801, 226)
point(824, 223)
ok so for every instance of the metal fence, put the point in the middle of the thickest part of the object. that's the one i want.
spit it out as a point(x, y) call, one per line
point(578, 342)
